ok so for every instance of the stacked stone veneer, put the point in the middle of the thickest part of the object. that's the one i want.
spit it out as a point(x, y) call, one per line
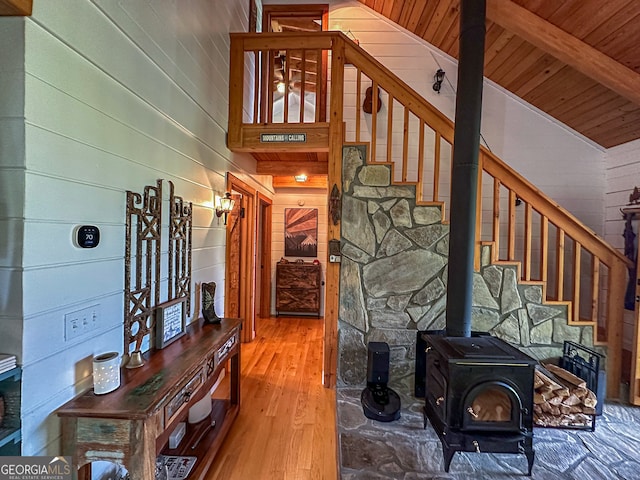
point(393, 281)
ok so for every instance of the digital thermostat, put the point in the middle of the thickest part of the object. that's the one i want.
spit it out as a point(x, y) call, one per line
point(86, 236)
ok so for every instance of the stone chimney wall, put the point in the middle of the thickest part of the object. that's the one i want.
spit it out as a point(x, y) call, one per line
point(393, 279)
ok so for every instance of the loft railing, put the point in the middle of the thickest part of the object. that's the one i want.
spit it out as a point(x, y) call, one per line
point(278, 79)
point(515, 221)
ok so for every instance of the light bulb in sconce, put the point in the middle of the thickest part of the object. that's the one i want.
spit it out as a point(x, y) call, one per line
point(106, 373)
point(224, 206)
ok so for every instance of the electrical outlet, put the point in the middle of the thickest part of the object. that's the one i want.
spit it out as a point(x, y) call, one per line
point(81, 322)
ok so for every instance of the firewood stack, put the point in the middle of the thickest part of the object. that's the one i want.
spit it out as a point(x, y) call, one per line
point(561, 399)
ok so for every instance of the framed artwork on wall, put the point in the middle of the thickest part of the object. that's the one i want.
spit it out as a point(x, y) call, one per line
point(301, 232)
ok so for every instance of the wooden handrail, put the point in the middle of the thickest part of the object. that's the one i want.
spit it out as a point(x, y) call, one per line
point(550, 209)
point(400, 91)
point(410, 99)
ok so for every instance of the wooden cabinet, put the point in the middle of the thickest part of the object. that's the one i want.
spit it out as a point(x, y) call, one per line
point(132, 424)
point(298, 288)
point(10, 432)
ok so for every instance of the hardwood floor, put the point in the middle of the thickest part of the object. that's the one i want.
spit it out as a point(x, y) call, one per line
point(286, 428)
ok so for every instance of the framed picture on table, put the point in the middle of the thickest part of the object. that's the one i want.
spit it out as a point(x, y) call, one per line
point(170, 321)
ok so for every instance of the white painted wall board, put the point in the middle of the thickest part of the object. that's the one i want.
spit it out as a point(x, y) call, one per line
point(11, 142)
point(12, 105)
point(11, 235)
point(11, 318)
point(125, 64)
point(101, 85)
point(62, 200)
point(79, 355)
point(116, 96)
point(622, 175)
point(12, 161)
point(48, 336)
point(109, 134)
point(49, 287)
point(49, 244)
point(12, 198)
point(40, 428)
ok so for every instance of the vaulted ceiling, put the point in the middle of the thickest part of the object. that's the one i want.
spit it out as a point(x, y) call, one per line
point(576, 60)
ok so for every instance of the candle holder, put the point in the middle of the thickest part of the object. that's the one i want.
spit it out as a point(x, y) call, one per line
point(106, 373)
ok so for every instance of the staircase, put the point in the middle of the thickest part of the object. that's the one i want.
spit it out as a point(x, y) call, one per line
point(517, 225)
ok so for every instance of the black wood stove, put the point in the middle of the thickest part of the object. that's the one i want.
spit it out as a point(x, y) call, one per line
point(479, 389)
point(478, 395)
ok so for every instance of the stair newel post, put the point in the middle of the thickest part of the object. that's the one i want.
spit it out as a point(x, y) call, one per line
point(528, 228)
point(511, 240)
point(236, 83)
point(336, 140)
point(615, 314)
point(495, 236)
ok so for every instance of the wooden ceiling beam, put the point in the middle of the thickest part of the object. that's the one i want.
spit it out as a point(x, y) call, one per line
point(285, 168)
point(566, 48)
point(16, 7)
point(314, 181)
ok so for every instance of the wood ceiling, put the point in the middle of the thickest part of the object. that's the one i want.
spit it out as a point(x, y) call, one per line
point(15, 7)
point(576, 60)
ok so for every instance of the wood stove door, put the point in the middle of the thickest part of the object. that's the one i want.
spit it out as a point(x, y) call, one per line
point(492, 406)
point(436, 385)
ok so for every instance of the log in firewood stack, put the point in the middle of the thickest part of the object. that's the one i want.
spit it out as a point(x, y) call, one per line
point(561, 399)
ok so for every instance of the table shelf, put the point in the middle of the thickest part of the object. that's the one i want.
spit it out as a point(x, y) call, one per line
point(132, 425)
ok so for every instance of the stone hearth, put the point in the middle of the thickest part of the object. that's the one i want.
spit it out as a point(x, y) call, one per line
point(404, 450)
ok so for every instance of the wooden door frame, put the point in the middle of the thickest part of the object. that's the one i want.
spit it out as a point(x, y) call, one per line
point(247, 258)
point(319, 9)
point(263, 265)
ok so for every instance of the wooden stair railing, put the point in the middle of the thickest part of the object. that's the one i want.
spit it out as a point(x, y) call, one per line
point(520, 224)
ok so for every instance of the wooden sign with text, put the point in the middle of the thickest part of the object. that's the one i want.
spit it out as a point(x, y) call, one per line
point(283, 138)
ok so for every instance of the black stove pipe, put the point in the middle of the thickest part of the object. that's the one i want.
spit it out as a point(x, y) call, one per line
point(466, 147)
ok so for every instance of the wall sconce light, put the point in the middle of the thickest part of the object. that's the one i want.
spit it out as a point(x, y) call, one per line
point(300, 178)
point(224, 205)
point(437, 80)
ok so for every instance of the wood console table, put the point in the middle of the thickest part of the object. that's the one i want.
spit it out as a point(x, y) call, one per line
point(131, 425)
